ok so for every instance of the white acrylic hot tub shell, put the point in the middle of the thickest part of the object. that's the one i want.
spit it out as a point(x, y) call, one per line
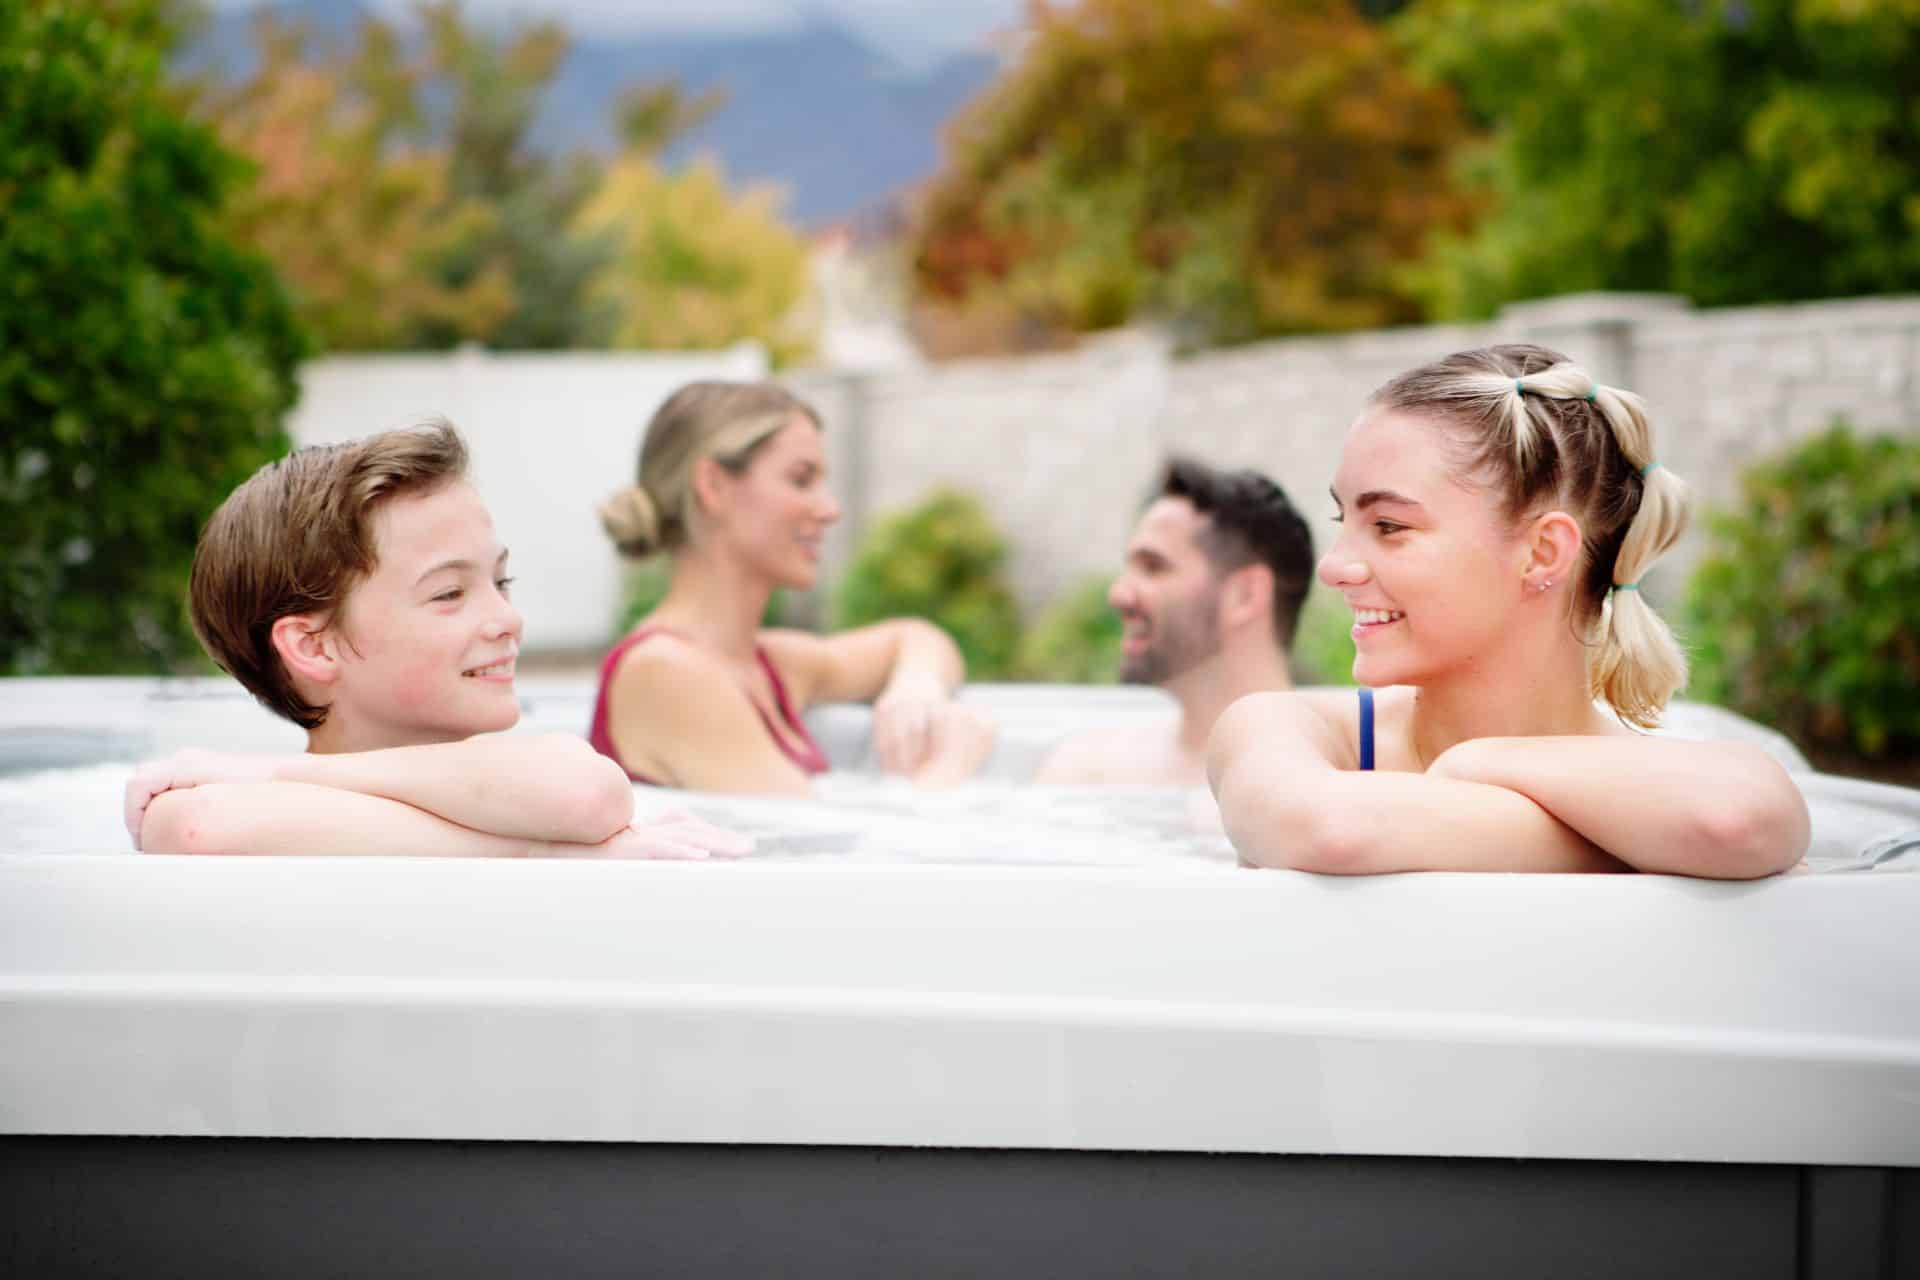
point(1195, 1008)
point(1644, 1018)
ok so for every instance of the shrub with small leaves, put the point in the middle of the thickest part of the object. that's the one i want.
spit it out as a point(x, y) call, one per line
point(943, 561)
point(145, 359)
point(1805, 614)
point(1076, 641)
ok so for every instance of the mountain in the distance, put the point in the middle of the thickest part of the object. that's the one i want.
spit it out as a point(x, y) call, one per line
point(840, 126)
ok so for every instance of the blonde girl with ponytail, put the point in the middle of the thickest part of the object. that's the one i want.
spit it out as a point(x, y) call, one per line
point(1498, 512)
point(732, 487)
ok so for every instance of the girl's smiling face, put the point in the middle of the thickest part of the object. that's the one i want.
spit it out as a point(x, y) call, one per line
point(1427, 561)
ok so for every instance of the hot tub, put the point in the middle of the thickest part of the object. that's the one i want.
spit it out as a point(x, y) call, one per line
point(1003, 1028)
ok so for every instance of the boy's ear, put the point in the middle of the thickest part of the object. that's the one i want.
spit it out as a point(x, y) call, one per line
point(308, 647)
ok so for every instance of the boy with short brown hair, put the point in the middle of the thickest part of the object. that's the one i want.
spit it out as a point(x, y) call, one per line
point(358, 590)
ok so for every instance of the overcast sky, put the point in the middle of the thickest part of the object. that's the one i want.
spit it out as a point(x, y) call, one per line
point(913, 29)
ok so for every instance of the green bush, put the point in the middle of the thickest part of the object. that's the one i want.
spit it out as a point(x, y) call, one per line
point(1323, 640)
point(145, 360)
point(1076, 641)
point(941, 561)
point(1805, 614)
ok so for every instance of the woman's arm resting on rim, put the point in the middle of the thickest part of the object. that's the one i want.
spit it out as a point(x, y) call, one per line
point(522, 786)
point(907, 667)
point(1275, 763)
point(1725, 810)
point(300, 818)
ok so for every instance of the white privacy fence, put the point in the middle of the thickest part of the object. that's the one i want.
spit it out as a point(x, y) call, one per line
point(551, 434)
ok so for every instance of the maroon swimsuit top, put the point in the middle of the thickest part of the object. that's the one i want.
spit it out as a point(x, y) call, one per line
point(807, 755)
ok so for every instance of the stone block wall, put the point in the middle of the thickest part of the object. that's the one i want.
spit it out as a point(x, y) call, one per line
point(1062, 447)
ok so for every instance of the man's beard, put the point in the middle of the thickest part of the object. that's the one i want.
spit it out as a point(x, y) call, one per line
point(1185, 638)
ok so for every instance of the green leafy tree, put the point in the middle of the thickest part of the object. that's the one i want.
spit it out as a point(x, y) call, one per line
point(146, 360)
point(1239, 168)
point(944, 561)
point(694, 264)
point(1733, 151)
point(1805, 612)
point(495, 84)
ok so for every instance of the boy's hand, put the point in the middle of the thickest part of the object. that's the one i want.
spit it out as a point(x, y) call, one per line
point(674, 836)
point(186, 769)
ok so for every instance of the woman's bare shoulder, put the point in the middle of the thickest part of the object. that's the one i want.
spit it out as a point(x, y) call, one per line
point(668, 664)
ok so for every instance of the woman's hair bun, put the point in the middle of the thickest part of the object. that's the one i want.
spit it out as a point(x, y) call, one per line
point(632, 521)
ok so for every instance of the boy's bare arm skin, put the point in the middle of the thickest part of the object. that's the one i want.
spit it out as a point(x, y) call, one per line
point(526, 786)
point(302, 818)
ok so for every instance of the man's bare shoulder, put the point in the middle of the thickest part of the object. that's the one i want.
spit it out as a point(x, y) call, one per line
point(1103, 757)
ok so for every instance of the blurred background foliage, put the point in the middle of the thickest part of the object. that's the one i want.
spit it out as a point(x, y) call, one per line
point(1076, 640)
point(1734, 151)
point(146, 356)
point(1234, 170)
point(944, 560)
point(173, 243)
point(1805, 613)
point(401, 197)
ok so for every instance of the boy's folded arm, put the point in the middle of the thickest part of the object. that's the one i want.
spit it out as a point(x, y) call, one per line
point(525, 786)
point(300, 818)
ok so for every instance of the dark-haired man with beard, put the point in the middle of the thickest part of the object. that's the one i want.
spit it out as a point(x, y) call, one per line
point(1210, 592)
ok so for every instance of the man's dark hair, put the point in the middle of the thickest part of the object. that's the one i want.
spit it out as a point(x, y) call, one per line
point(1249, 521)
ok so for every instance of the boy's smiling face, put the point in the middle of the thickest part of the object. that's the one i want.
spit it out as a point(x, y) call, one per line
point(425, 645)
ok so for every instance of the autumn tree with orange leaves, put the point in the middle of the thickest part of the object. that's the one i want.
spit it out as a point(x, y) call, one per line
point(1232, 169)
point(353, 210)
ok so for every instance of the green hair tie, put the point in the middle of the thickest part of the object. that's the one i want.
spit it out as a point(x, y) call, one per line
point(1594, 394)
point(1650, 466)
point(1519, 387)
point(1626, 586)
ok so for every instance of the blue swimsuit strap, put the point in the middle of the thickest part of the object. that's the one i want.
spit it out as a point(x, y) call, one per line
point(1366, 730)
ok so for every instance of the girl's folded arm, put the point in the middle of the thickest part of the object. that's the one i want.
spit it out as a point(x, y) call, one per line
point(1276, 761)
point(1725, 810)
